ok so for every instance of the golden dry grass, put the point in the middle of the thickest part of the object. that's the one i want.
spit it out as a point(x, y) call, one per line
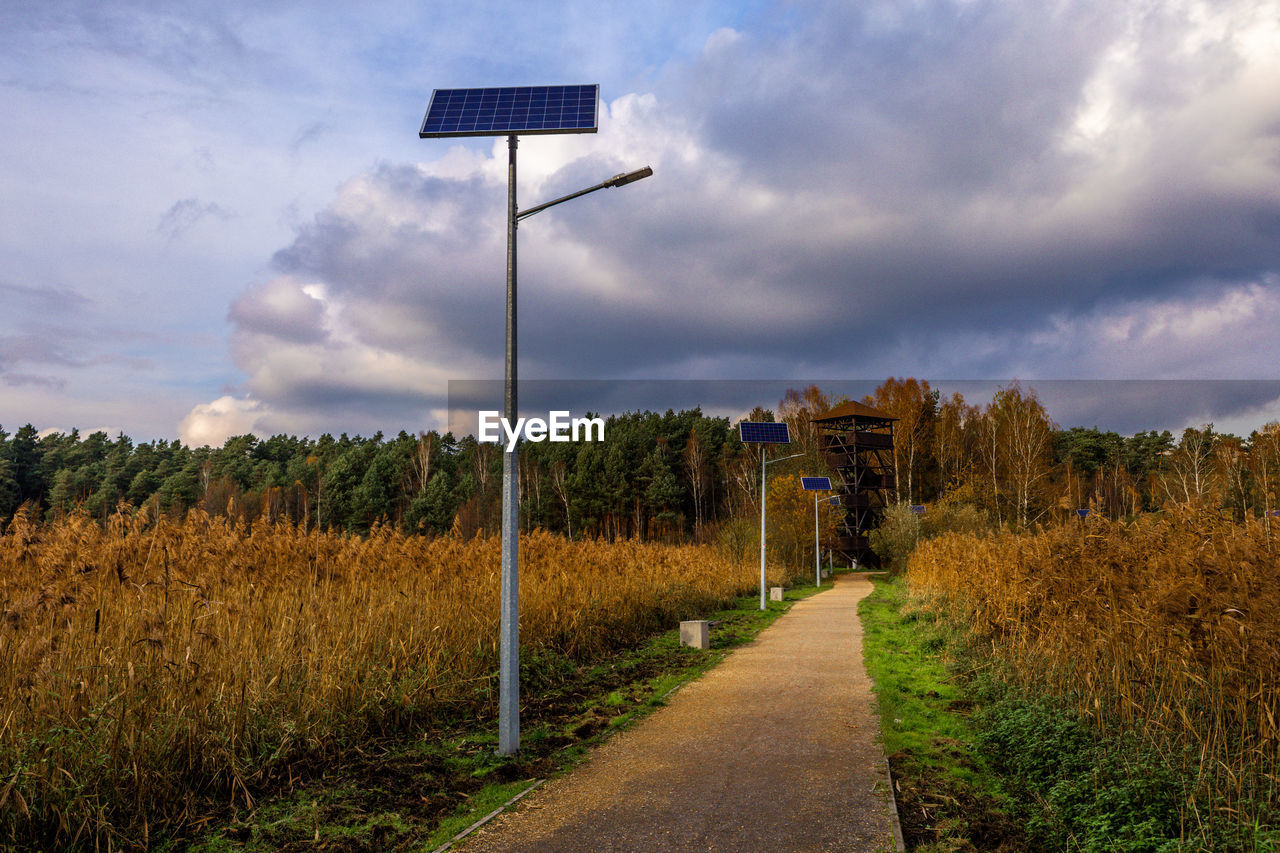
point(1168, 626)
point(150, 667)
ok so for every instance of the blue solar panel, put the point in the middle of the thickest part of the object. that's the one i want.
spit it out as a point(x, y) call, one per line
point(816, 484)
point(763, 432)
point(511, 110)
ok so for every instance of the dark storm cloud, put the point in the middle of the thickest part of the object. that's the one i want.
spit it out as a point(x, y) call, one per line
point(954, 119)
point(964, 189)
point(942, 97)
point(1155, 404)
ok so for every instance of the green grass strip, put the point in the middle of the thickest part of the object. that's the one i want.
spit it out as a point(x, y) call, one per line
point(947, 798)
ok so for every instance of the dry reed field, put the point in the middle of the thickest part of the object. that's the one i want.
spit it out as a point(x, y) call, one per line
point(150, 668)
point(1168, 626)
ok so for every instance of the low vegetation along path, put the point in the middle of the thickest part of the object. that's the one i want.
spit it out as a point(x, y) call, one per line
point(773, 750)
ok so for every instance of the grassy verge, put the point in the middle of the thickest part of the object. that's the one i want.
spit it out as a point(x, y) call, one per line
point(981, 764)
point(416, 793)
point(948, 799)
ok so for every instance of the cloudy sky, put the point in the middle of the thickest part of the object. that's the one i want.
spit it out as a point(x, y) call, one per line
point(218, 217)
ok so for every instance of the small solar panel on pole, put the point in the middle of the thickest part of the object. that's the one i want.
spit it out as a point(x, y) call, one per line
point(512, 111)
point(508, 110)
point(815, 485)
point(764, 433)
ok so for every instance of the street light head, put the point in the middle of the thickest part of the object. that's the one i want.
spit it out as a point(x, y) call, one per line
point(615, 181)
point(629, 177)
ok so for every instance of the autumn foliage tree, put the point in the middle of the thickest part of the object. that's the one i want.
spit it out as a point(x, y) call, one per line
point(798, 410)
point(914, 404)
point(1024, 436)
point(951, 441)
point(791, 521)
point(1189, 476)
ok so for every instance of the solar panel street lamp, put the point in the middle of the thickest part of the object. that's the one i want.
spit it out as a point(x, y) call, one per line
point(512, 111)
point(764, 433)
point(815, 485)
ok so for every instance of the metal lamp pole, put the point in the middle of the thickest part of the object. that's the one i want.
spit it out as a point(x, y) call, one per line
point(817, 548)
point(509, 607)
point(763, 484)
point(510, 111)
point(509, 642)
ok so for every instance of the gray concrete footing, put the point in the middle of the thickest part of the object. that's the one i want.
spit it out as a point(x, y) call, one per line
point(775, 593)
point(696, 633)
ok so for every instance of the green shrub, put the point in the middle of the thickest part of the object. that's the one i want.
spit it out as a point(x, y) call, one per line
point(901, 529)
point(896, 537)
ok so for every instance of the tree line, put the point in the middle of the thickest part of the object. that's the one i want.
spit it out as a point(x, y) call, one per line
point(673, 476)
point(655, 476)
point(1011, 460)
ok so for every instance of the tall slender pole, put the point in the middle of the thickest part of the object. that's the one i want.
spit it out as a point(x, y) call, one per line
point(509, 651)
point(762, 488)
point(817, 550)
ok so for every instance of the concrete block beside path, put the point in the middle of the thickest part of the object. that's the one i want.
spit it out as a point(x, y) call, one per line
point(696, 633)
point(775, 593)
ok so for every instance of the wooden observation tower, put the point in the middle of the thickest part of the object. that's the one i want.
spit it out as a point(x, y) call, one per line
point(857, 442)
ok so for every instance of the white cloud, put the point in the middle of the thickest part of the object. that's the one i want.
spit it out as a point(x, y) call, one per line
point(213, 423)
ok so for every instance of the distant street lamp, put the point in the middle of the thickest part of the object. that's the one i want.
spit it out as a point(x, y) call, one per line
point(511, 111)
point(764, 433)
point(815, 485)
point(763, 480)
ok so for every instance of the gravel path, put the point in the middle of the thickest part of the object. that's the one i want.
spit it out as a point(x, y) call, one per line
point(773, 750)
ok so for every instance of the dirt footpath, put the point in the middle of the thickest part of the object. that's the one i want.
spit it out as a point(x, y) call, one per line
point(773, 750)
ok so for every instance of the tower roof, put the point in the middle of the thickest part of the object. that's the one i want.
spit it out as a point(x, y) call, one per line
point(854, 410)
